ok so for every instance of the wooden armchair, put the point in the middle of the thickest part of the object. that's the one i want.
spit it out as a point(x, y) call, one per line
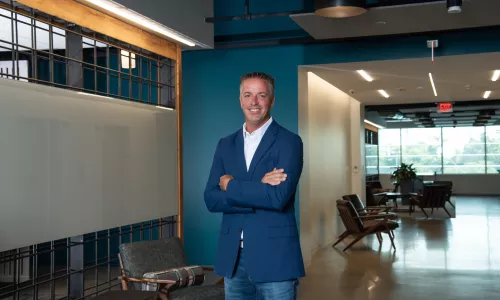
point(160, 265)
point(375, 199)
point(449, 185)
point(432, 197)
point(377, 187)
point(375, 212)
point(359, 227)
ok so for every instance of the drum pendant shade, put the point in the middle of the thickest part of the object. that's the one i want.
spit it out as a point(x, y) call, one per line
point(339, 8)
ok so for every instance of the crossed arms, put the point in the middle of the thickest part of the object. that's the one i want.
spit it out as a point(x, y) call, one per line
point(226, 194)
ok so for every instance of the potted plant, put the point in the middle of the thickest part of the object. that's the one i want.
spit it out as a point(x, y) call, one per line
point(404, 176)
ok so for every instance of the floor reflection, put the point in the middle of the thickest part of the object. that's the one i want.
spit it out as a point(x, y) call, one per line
point(436, 258)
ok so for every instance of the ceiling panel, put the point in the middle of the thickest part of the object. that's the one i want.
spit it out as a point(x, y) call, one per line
point(398, 19)
point(460, 79)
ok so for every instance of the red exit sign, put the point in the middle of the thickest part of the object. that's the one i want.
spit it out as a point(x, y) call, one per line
point(445, 107)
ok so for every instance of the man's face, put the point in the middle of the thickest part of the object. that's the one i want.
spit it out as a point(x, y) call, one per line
point(256, 101)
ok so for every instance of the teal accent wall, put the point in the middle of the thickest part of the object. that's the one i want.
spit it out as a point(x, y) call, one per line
point(211, 108)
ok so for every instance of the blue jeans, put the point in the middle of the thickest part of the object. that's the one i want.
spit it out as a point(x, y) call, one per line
point(242, 287)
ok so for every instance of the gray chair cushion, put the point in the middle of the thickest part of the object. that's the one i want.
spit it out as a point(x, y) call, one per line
point(201, 292)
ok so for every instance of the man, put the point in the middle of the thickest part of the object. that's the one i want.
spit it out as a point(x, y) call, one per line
point(252, 181)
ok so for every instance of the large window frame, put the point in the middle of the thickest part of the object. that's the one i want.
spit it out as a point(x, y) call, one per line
point(44, 49)
point(486, 141)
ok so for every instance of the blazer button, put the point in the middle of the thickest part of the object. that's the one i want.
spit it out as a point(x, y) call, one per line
point(240, 230)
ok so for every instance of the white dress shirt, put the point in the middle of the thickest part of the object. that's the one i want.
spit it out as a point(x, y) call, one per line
point(252, 141)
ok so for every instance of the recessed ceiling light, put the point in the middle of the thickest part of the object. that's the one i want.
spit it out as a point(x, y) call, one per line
point(432, 83)
point(496, 75)
point(383, 93)
point(487, 94)
point(381, 22)
point(373, 124)
point(365, 75)
point(420, 87)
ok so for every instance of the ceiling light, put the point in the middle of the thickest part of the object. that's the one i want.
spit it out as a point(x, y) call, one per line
point(432, 83)
point(163, 107)
point(373, 124)
point(365, 75)
point(139, 19)
point(383, 93)
point(486, 94)
point(339, 8)
point(454, 6)
point(496, 75)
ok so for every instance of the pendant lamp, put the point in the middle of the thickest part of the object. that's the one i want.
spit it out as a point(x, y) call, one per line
point(339, 8)
point(454, 6)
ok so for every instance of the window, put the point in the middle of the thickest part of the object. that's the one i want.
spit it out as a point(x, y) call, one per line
point(389, 150)
point(463, 150)
point(422, 148)
point(493, 149)
point(39, 48)
point(447, 150)
point(371, 161)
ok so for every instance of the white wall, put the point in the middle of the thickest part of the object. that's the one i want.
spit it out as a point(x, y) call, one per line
point(184, 16)
point(479, 184)
point(327, 121)
point(72, 164)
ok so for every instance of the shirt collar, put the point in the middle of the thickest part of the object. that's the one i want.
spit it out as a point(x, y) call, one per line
point(259, 132)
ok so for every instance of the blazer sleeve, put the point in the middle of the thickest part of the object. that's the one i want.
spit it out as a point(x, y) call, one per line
point(255, 194)
point(215, 198)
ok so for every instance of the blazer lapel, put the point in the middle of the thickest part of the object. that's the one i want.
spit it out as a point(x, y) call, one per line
point(266, 142)
point(240, 153)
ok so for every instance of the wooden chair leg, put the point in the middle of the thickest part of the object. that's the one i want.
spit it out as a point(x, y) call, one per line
point(161, 296)
point(450, 203)
point(353, 242)
point(426, 215)
point(379, 237)
point(447, 211)
point(341, 237)
point(392, 240)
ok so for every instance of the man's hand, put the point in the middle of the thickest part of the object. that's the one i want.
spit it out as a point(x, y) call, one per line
point(224, 180)
point(275, 177)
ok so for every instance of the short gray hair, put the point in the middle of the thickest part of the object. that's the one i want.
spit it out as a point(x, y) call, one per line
point(268, 78)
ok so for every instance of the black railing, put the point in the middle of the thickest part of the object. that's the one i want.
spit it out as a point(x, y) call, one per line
point(39, 48)
point(75, 267)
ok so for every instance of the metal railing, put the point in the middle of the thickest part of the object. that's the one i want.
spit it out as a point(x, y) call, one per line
point(43, 49)
point(75, 267)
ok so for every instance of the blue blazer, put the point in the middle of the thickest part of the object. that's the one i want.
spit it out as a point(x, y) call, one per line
point(265, 213)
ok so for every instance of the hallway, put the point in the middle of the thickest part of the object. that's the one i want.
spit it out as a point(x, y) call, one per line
point(455, 258)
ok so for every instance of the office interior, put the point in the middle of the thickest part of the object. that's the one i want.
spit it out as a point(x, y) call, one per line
point(111, 112)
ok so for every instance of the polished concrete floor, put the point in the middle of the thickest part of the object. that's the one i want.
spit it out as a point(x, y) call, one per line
point(435, 258)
